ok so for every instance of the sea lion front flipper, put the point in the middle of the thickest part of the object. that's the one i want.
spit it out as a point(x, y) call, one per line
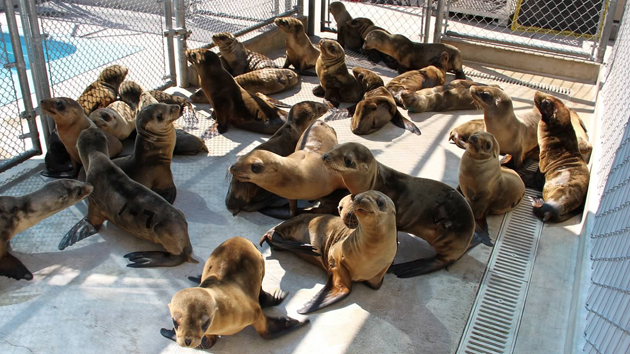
point(168, 194)
point(266, 299)
point(402, 122)
point(336, 289)
point(333, 96)
point(481, 234)
point(307, 73)
point(276, 212)
point(207, 341)
point(274, 327)
point(273, 101)
point(168, 334)
point(276, 241)
point(148, 259)
point(417, 267)
point(196, 280)
point(376, 282)
point(287, 63)
point(82, 230)
point(65, 174)
point(319, 91)
point(11, 267)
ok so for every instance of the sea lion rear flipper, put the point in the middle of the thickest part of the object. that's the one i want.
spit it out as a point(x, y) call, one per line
point(417, 267)
point(277, 212)
point(273, 101)
point(533, 180)
point(336, 289)
point(66, 174)
point(148, 259)
point(266, 299)
point(196, 279)
point(402, 122)
point(278, 326)
point(188, 144)
point(168, 194)
point(352, 109)
point(319, 91)
point(277, 242)
point(82, 230)
point(11, 267)
point(481, 233)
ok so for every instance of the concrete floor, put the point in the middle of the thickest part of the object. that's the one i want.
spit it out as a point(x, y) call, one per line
point(85, 299)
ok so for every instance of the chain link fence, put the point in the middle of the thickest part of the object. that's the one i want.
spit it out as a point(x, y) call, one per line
point(608, 302)
point(571, 28)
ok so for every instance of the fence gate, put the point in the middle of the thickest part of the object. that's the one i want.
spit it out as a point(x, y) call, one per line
point(571, 28)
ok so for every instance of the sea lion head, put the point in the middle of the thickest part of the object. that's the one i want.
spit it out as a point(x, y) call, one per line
point(107, 119)
point(331, 51)
point(482, 145)
point(224, 40)
point(157, 119)
point(204, 59)
point(289, 24)
point(91, 140)
point(413, 102)
point(354, 162)
point(491, 99)
point(303, 114)
point(335, 8)
point(130, 92)
point(375, 40)
point(192, 311)
point(552, 111)
point(64, 110)
point(440, 61)
point(113, 75)
point(346, 212)
point(60, 194)
point(360, 24)
point(256, 166)
point(372, 206)
point(369, 116)
point(367, 79)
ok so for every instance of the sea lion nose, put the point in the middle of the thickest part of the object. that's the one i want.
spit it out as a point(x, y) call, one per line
point(473, 138)
point(358, 199)
point(188, 341)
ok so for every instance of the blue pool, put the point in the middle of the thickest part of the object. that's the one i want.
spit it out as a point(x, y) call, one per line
point(56, 50)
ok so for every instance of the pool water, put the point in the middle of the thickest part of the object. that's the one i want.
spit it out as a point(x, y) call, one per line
point(56, 50)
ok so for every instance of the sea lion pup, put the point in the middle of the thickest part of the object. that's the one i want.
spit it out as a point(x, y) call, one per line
point(580, 131)
point(376, 109)
point(104, 90)
point(414, 80)
point(57, 159)
point(231, 103)
point(516, 134)
point(71, 120)
point(461, 133)
point(363, 26)
point(336, 84)
point(248, 196)
point(130, 206)
point(301, 175)
point(186, 108)
point(20, 213)
point(229, 298)
point(237, 58)
point(348, 255)
point(566, 173)
point(412, 55)
point(118, 119)
point(429, 209)
point(345, 36)
point(135, 96)
point(453, 96)
point(150, 162)
point(301, 53)
point(368, 79)
point(488, 187)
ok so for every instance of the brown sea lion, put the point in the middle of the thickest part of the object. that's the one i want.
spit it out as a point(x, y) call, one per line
point(346, 37)
point(130, 206)
point(150, 162)
point(368, 79)
point(237, 58)
point(104, 90)
point(301, 175)
point(231, 103)
point(453, 96)
point(301, 53)
point(414, 80)
point(411, 55)
point(363, 254)
point(135, 96)
point(376, 109)
point(248, 196)
point(586, 148)
point(516, 134)
point(363, 26)
point(188, 144)
point(71, 120)
point(489, 188)
point(229, 298)
point(336, 84)
point(461, 133)
point(566, 173)
point(425, 208)
point(20, 213)
point(186, 108)
point(118, 119)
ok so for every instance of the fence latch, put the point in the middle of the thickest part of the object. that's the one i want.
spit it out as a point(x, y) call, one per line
point(28, 114)
point(177, 32)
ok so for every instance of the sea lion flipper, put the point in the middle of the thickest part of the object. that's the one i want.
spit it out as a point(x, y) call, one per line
point(506, 159)
point(402, 122)
point(307, 73)
point(417, 267)
point(11, 267)
point(278, 242)
point(276, 212)
point(459, 141)
point(319, 91)
point(481, 232)
point(273, 101)
point(196, 279)
point(278, 326)
point(82, 230)
point(65, 174)
point(148, 259)
point(336, 289)
point(266, 299)
point(169, 334)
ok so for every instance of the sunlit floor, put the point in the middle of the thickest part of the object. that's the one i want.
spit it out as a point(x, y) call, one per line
point(84, 299)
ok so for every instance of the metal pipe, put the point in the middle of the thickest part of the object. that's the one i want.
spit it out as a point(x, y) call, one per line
point(29, 113)
point(323, 24)
point(607, 28)
point(180, 23)
point(170, 46)
point(311, 18)
point(38, 61)
point(427, 24)
point(12, 162)
point(300, 8)
point(439, 17)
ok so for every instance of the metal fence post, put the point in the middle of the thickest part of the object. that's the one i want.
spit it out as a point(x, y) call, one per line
point(427, 23)
point(182, 33)
point(606, 29)
point(170, 46)
point(439, 17)
point(311, 18)
point(34, 41)
point(300, 8)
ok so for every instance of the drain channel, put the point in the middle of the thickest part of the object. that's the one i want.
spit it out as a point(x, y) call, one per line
point(509, 80)
point(496, 313)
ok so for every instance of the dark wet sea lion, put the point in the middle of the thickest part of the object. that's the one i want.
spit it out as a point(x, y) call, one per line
point(347, 38)
point(300, 52)
point(336, 84)
point(363, 26)
point(238, 59)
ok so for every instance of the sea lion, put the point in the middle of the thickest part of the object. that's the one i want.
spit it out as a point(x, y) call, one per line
point(20, 213)
point(580, 130)
point(348, 255)
point(345, 36)
point(229, 298)
point(188, 144)
point(150, 162)
point(429, 209)
point(186, 108)
point(488, 187)
point(376, 109)
point(135, 96)
point(231, 103)
point(238, 59)
point(414, 80)
point(104, 90)
point(336, 84)
point(301, 53)
point(516, 134)
point(301, 175)
point(248, 196)
point(453, 96)
point(71, 120)
point(57, 159)
point(118, 119)
point(363, 26)
point(411, 55)
point(461, 133)
point(566, 173)
point(130, 206)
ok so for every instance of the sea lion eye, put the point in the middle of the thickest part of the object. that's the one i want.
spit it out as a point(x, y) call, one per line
point(160, 116)
point(380, 204)
point(59, 105)
point(347, 162)
point(205, 325)
point(546, 103)
point(106, 117)
point(257, 168)
point(175, 325)
point(488, 146)
point(485, 95)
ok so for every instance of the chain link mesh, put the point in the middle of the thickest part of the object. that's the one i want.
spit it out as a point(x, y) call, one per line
point(404, 17)
point(11, 127)
point(608, 303)
point(566, 27)
point(85, 36)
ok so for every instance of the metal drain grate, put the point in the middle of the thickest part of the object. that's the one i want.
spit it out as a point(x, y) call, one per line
point(509, 80)
point(496, 313)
